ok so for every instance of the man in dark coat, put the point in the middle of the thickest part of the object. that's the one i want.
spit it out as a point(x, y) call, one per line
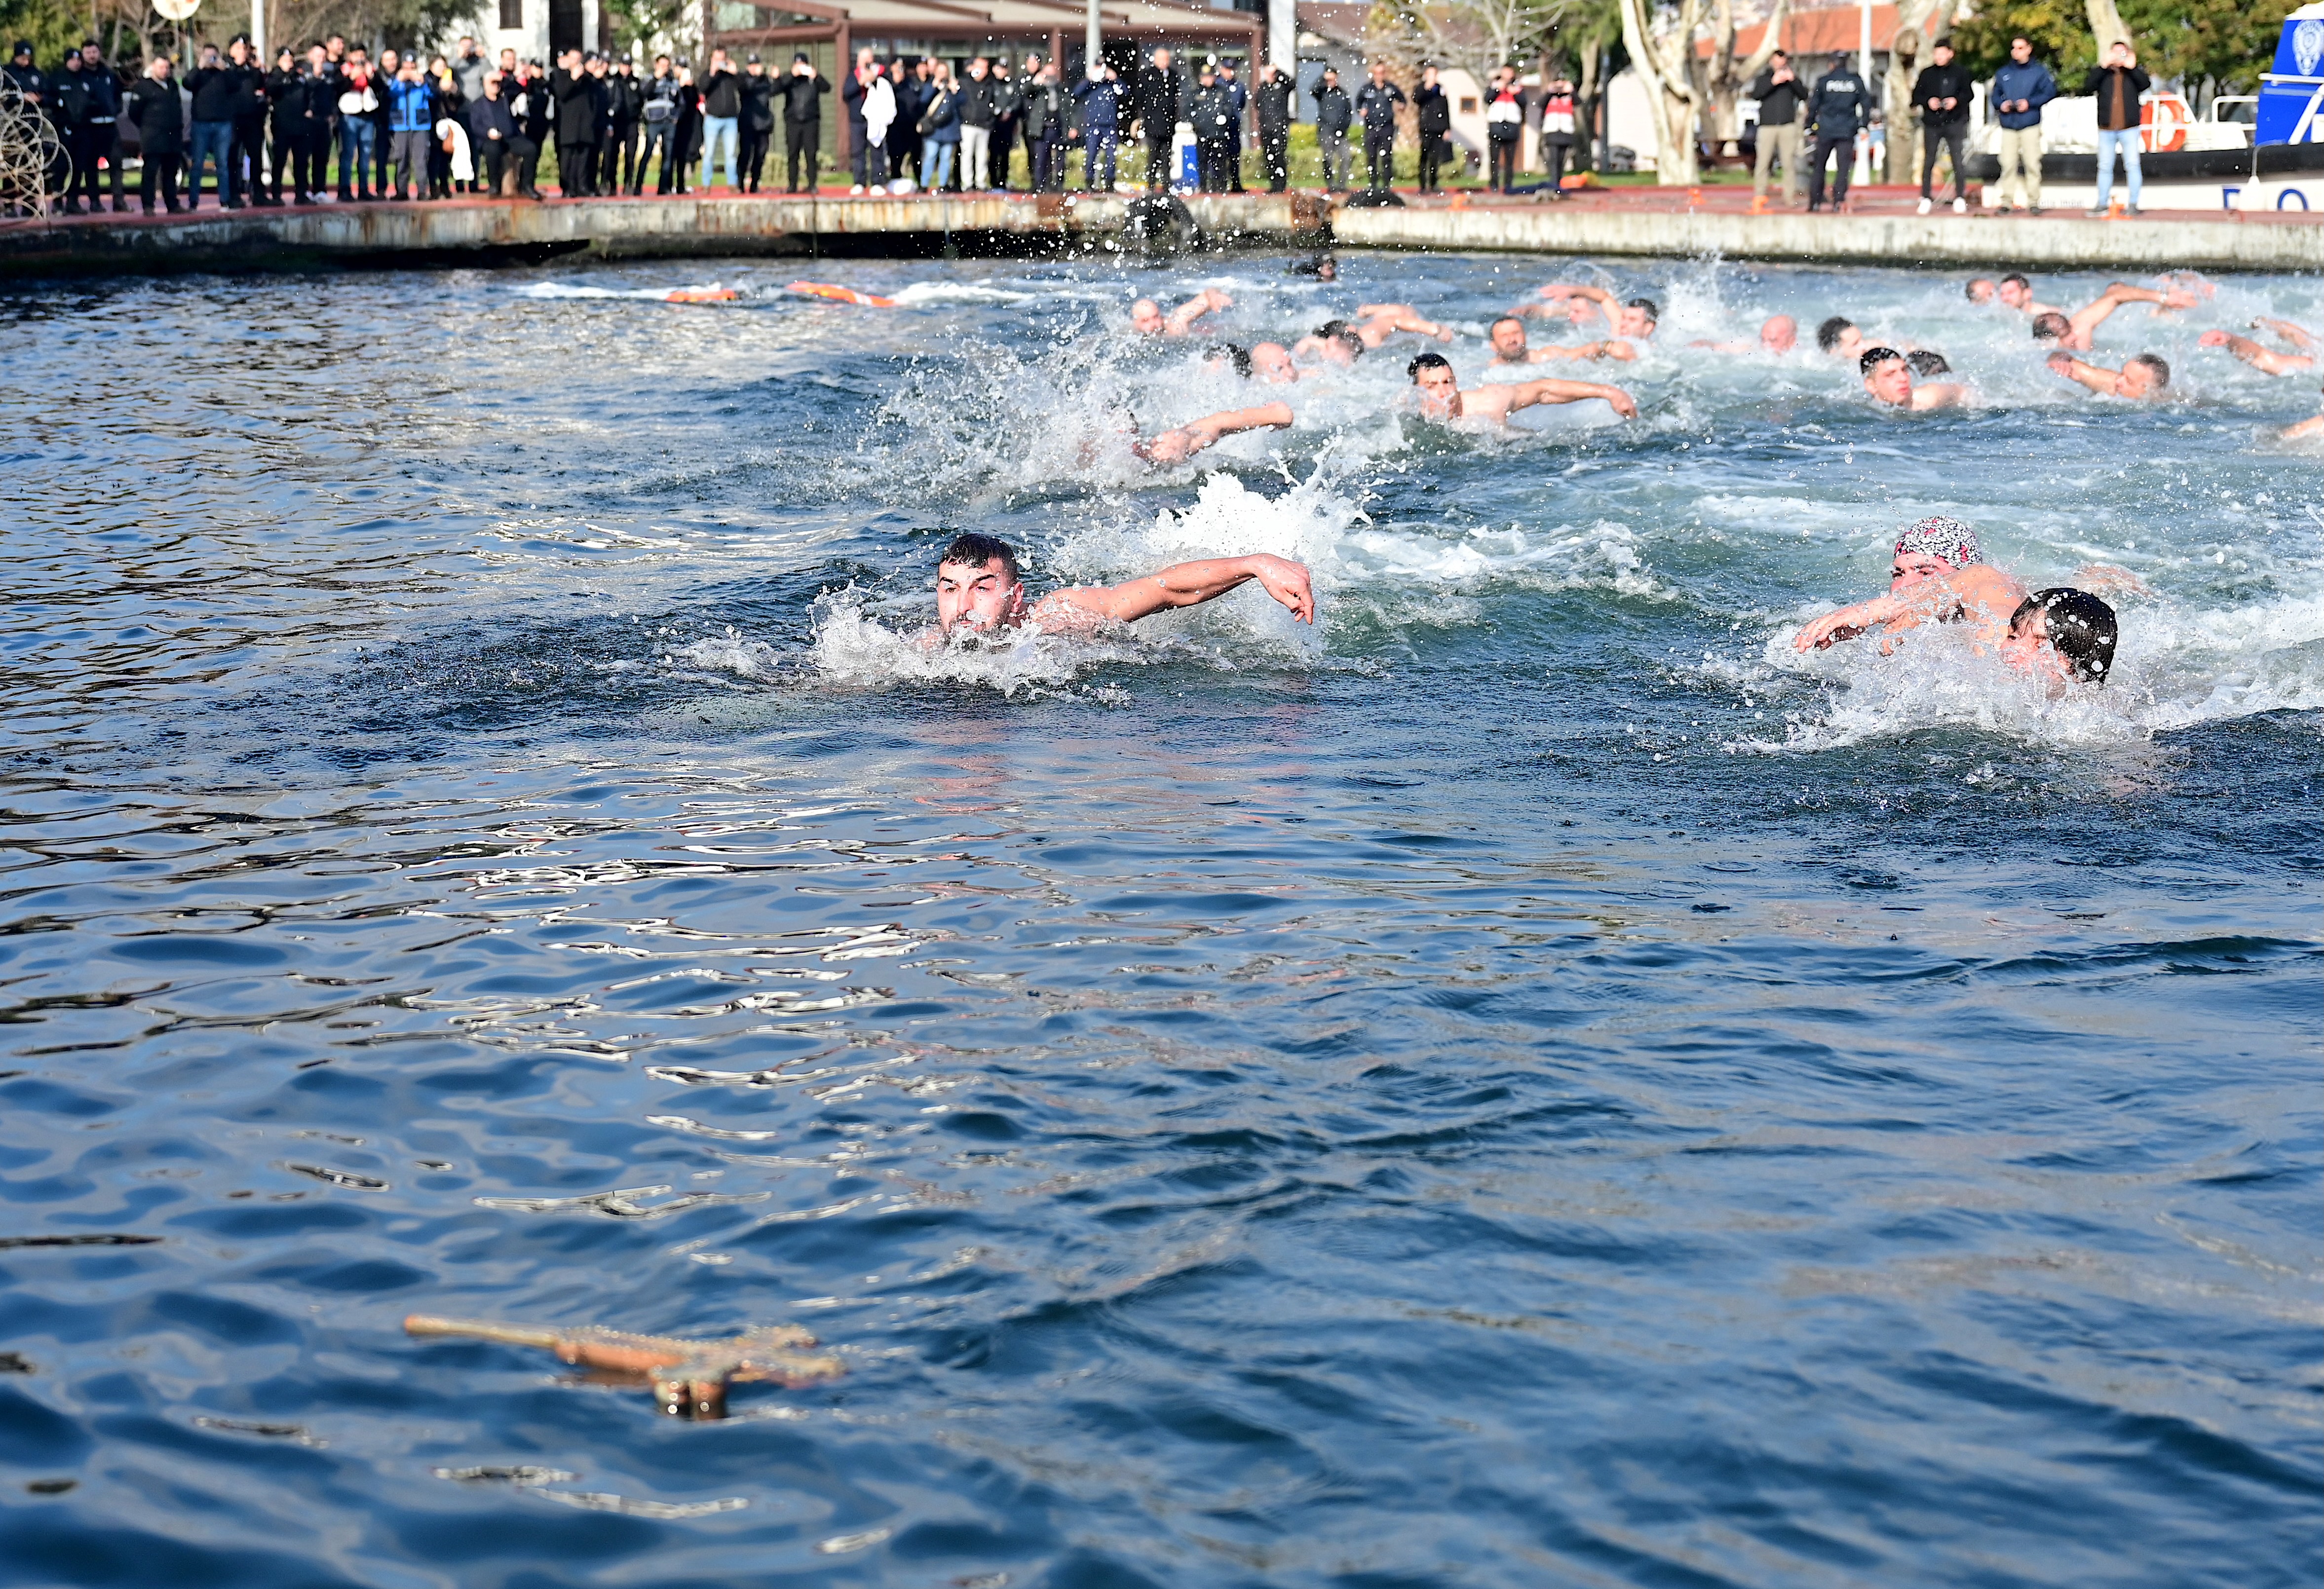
point(1277, 110)
point(759, 90)
point(160, 133)
point(802, 99)
point(852, 89)
point(1433, 115)
point(625, 104)
point(1839, 106)
point(248, 153)
point(1335, 112)
point(1158, 98)
point(1210, 109)
point(1942, 93)
point(286, 110)
point(577, 125)
point(1240, 95)
point(1376, 104)
point(1044, 125)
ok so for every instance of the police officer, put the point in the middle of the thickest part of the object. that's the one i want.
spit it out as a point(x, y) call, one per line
point(1277, 110)
point(1376, 104)
point(1839, 107)
point(1210, 109)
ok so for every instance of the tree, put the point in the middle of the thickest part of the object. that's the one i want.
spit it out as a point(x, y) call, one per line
point(1719, 79)
point(2224, 40)
point(1474, 35)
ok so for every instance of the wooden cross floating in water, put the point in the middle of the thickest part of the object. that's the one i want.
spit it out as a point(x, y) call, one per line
point(690, 1378)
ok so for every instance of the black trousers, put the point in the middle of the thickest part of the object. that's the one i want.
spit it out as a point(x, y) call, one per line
point(160, 170)
point(289, 156)
point(1048, 157)
point(493, 162)
point(751, 158)
point(1503, 161)
point(312, 151)
point(87, 146)
point(1955, 138)
point(1435, 148)
point(1159, 174)
point(1213, 157)
point(526, 155)
point(1820, 151)
point(802, 155)
point(248, 157)
point(1380, 158)
point(577, 163)
point(1554, 151)
point(1274, 154)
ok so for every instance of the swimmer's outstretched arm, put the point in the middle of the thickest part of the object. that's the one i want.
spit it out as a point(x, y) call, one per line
point(2254, 354)
point(2305, 430)
point(1185, 584)
point(1612, 347)
point(2105, 382)
point(2088, 318)
point(1183, 317)
point(2300, 337)
point(1532, 393)
point(1400, 316)
point(1184, 442)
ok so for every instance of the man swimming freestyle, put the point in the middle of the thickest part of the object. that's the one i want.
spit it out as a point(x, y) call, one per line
point(1184, 441)
point(2063, 635)
point(1440, 397)
point(2142, 375)
point(1635, 319)
point(1888, 377)
point(2076, 330)
point(1146, 315)
point(979, 590)
point(1938, 574)
point(1507, 335)
point(1778, 335)
point(2266, 358)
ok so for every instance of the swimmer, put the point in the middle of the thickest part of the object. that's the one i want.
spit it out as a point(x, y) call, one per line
point(1377, 322)
point(2062, 635)
point(1888, 377)
point(2013, 291)
point(1322, 267)
point(1927, 364)
point(2076, 330)
point(1272, 363)
point(2265, 358)
point(1220, 356)
point(1507, 335)
point(1635, 319)
point(2142, 375)
point(1841, 338)
point(1146, 315)
point(1442, 399)
point(1937, 574)
point(1335, 342)
point(1176, 446)
point(1778, 335)
point(2305, 431)
point(979, 591)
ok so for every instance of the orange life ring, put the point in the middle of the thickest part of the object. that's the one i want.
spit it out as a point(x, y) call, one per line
point(701, 295)
point(2162, 122)
point(839, 294)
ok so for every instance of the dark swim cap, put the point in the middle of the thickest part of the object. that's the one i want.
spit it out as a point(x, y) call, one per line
point(2081, 629)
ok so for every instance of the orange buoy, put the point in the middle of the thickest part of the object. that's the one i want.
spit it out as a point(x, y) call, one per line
point(701, 295)
point(839, 294)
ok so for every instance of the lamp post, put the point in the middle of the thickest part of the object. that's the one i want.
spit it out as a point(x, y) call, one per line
point(1092, 42)
point(258, 32)
point(1863, 176)
point(1283, 38)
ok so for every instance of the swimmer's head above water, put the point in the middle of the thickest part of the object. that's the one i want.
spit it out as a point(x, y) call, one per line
point(1638, 318)
point(979, 589)
point(1340, 344)
point(2078, 630)
point(1935, 546)
point(1839, 337)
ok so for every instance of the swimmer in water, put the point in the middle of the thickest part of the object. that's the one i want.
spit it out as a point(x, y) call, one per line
point(2266, 358)
point(1927, 364)
point(1841, 338)
point(1635, 319)
point(2306, 429)
point(1778, 335)
point(1322, 267)
point(2076, 330)
point(2013, 291)
point(2142, 375)
point(1177, 444)
point(1442, 399)
point(1938, 574)
point(1220, 356)
point(1272, 363)
point(979, 591)
point(1146, 318)
point(2063, 636)
point(1335, 342)
point(1377, 322)
point(1888, 377)
point(1507, 335)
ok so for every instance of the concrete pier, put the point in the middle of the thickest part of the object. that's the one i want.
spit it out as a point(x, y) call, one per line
point(1633, 222)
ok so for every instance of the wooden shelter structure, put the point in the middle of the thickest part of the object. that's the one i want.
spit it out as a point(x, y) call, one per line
point(1053, 27)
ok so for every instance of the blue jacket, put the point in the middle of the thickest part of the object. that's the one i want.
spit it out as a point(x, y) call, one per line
point(410, 107)
point(1100, 106)
point(2032, 83)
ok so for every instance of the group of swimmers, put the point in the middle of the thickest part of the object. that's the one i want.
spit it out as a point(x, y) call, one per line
point(1908, 378)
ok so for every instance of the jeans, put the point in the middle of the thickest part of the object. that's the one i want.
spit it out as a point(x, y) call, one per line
point(1953, 138)
point(662, 136)
point(356, 134)
point(1333, 148)
point(212, 139)
point(1777, 143)
point(1098, 152)
point(2126, 139)
point(715, 129)
point(2021, 159)
point(940, 156)
point(975, 158)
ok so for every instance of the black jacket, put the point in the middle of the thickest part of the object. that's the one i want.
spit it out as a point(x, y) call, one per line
point(803, 98)
point(249, 92)
point(1779, 103)
point(577, 106)
point(976, 107)
point(159, 114)
point(1434, 109)
point(286, 97)
point(1376, 104)
point(1841, 105)
point(487, 116)
point(2117, 89)
point(1942, 82)
point(1045, 112)
point(758, 92)
point(1008, 101)
point(68, 97)
point(213, 91)
point(1334, 111)
point(1211, 112)
point(1158, 99)
point(657, 102)
point(625, 98)
point(720, 94)
point(540, 113)
point(1278, 107)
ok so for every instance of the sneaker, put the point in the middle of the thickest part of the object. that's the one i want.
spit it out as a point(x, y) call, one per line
point(2032, 209)
point(1960, 207)
point(2132, 209)
point(1923, 207)
point(856, 191)
point(2095, 210)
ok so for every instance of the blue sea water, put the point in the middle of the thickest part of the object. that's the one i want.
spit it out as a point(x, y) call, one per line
point(1529, 1083)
